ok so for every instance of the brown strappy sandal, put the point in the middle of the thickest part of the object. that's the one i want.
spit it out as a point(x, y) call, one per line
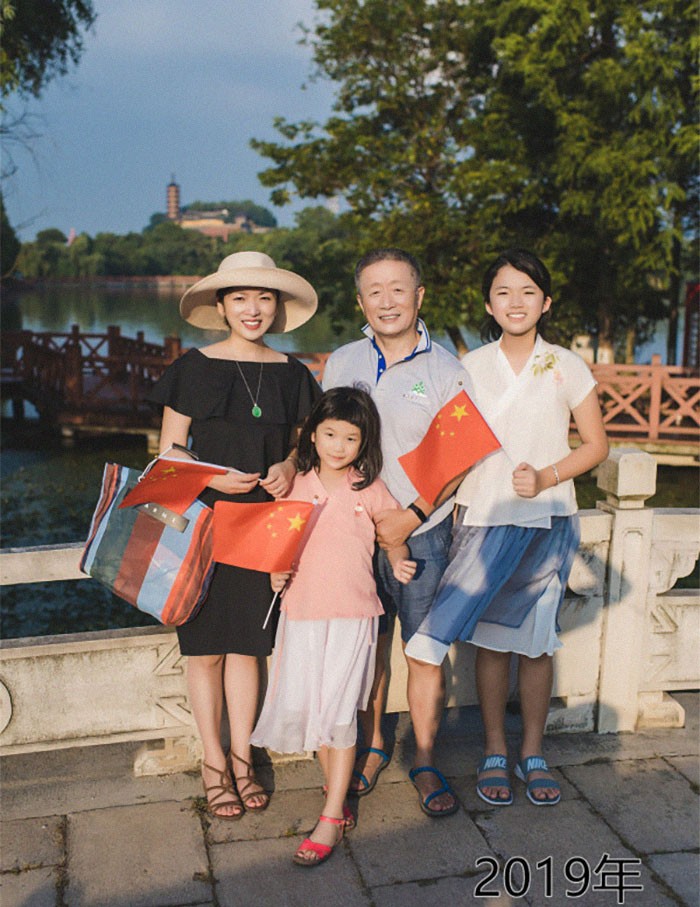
point(244, 782)
point(226, 789)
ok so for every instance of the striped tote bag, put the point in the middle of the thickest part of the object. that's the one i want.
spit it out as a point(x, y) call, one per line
point(157, 560)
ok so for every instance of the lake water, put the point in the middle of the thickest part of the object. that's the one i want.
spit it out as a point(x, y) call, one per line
point(154, 313)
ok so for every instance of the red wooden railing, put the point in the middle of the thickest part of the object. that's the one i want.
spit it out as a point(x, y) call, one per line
point(99, 374)
point(108, 374)
point(84, 371)
point(650, 402)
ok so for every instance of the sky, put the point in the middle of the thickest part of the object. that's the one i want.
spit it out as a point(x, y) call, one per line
point(163, 88)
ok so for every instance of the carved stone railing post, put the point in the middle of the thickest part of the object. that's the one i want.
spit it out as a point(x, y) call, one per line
point(628, 479)
point(672, 640)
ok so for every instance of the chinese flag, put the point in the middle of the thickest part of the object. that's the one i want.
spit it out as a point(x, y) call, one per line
point(261, 537)
point(458, 436)
point(173, 483)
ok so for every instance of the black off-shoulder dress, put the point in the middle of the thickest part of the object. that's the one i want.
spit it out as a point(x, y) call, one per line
point(224, 431)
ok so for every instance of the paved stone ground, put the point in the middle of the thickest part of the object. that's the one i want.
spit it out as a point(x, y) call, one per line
point(78, 830)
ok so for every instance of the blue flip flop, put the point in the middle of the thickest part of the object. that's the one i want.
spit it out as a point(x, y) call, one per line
point(368, 785)
point(445, 789)
point(487, 763)
point(537, 764)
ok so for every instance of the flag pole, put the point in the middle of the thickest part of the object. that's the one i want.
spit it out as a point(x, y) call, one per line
point(269, 610)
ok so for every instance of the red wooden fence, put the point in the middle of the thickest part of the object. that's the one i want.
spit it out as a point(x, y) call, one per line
point(104, 377)
point(650, 402)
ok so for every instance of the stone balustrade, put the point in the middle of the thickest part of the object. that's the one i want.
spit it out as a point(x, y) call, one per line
point(629, 638)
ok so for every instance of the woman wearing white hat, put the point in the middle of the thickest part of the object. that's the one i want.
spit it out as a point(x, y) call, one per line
point(239, 400)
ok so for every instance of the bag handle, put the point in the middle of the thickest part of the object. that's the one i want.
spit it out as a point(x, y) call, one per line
point(173, 446)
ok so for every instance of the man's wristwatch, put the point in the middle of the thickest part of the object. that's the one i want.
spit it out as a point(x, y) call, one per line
point(418, 512)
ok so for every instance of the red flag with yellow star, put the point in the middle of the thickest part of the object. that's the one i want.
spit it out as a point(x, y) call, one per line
point(172, 483)
point(261, 537)
point(458, 436)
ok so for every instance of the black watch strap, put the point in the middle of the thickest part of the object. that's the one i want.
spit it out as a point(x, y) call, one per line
point(418, 512)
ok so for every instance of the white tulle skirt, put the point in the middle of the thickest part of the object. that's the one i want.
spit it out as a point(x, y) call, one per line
point(321, 674)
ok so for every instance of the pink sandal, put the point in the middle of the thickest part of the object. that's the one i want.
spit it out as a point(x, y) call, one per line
point(348, 814)
point(322, 851)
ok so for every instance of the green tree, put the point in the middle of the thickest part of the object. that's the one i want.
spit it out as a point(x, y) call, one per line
point(50, 236)
point(461, 127)
point(155, 219)
point(324, 248)
point(174, 250)
point(615, 86)
point(47, 257)
point(9, 244)
point(321, 245)
point(392, 146)
point(40, 39)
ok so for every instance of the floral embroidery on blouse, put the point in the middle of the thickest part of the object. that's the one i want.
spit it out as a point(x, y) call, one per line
point(547, 362)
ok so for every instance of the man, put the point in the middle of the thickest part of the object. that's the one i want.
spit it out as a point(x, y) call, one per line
point(410, 379)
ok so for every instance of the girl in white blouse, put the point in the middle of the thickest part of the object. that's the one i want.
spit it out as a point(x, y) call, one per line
point(516, 530)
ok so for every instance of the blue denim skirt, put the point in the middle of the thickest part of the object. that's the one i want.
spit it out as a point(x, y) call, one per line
point(497, 575)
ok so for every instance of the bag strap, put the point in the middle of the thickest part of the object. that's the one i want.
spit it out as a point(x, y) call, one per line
point(173, 446)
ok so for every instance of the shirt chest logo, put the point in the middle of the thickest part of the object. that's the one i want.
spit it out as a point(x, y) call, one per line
point(417, 392)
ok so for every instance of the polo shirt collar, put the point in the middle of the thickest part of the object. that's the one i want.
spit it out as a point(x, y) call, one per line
point(423, 346)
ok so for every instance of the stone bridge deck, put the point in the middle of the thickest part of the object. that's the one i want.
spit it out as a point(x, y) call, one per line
point(79, 829)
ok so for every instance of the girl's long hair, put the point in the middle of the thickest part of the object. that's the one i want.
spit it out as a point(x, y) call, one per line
point(345, 404)
point(529, 264)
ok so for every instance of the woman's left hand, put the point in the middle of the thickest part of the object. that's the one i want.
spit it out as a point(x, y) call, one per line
point(526, 481)
point(279, 478)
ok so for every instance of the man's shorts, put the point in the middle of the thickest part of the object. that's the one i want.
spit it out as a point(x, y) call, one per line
point(412, 601)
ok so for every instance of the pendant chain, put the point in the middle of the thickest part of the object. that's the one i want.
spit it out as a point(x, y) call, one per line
point(256, 411)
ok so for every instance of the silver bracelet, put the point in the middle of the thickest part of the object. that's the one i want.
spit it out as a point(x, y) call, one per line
point(556, 473)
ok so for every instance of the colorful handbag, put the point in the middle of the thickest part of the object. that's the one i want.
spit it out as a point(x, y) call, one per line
point(157, 560)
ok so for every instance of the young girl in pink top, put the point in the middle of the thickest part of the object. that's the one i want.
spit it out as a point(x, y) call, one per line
point(323, 664)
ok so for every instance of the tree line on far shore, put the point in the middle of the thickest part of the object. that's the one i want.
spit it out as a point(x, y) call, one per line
point(321, 246)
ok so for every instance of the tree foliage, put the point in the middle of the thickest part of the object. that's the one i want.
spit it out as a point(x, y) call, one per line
point(9, 243)
point(461, 127)
point(40, 39)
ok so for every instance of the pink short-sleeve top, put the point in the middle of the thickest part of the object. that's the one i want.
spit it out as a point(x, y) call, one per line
point(332, 575)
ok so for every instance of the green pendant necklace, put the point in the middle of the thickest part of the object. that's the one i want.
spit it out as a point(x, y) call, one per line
point(256, 411)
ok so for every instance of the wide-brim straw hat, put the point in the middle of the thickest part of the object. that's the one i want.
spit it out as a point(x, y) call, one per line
point(297, 298)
